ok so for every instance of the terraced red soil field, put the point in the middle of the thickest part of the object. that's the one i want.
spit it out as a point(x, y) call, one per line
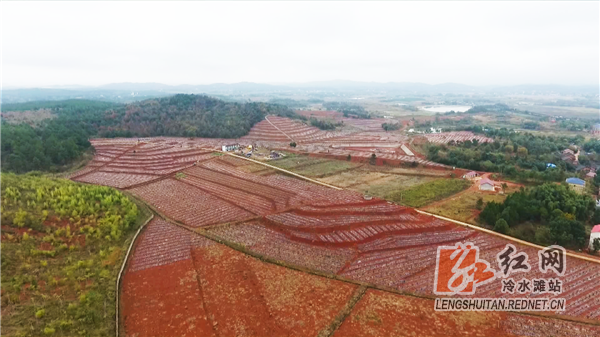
point(136, 161)
point(460, 136)
point(392, 246)
point(320, 114)
point(180, 283)
point(381, 313)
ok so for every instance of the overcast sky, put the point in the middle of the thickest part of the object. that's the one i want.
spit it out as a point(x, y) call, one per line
point(476, 43)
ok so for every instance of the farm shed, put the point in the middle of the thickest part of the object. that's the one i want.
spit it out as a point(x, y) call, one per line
point(486, 185)
point(594, 235)
point(470, 175)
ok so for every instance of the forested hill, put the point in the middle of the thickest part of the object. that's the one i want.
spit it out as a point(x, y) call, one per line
point(54, 144)
point(190, 116)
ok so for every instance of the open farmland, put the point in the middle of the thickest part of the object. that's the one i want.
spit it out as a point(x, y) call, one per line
point(321, 114)
point(293, 223)
point(460, 136)
point(179, 283)
point(384, 314)
point(123, 162)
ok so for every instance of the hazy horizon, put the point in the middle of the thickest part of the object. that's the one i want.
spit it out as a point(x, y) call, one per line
point(291, 84)
point(199, 43)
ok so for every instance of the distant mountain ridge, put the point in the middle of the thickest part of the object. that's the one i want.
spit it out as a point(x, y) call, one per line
point(127, 91)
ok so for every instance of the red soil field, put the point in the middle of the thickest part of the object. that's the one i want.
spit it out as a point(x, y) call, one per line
point(392, 246)
point(160, 293)
point(188, 204)
point(381, 313)
point(320, 114)
point(179, 283)
point(249, 297)
point(299, 223)
point(460, 136)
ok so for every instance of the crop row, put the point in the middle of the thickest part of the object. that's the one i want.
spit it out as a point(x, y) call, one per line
point(264, 240)
point(460, 136)
point(160, 244)
point(317, 114)
point(522, 325)
point(382, 154)
point(325, 222)
point(188, 204)
point(302, 191)
point(243, 184)
point(118, 180)
point(254, 203)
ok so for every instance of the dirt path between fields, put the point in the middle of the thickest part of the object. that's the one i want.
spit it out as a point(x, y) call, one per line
point(267, 119)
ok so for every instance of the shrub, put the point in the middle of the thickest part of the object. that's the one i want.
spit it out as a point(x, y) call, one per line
point(40, 313)
point(596, 245)
point(501, 226)
point(293, 144)
point(49, 331)
point(373, 159)
point(479, 204)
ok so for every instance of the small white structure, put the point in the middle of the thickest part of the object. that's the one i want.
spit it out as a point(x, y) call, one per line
point(232, 147)
point(470, 175)
point(594, 235)
point(486, 185)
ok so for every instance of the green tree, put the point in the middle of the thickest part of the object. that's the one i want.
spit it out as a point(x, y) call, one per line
point(479, 204)
point(373, 159)
point(596, 245)
point(501, 226)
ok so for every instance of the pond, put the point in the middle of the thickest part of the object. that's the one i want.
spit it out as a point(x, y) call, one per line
point(446, 108)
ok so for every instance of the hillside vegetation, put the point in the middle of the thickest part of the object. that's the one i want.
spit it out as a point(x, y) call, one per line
point(546, 214)
point(55, 143)
point(63, 244)
point(423, 194)
point(521, 156)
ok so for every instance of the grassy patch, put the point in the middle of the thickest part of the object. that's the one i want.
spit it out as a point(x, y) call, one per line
point(423, 194)
point(326, 168)
point(463, 207)
point(299, 161)
point(62, 247)
point(369, 180)
point(387, 187)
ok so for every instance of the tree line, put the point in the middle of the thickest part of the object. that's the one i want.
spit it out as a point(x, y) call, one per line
point(57, 142)
point(546, 214)
point(522, 156)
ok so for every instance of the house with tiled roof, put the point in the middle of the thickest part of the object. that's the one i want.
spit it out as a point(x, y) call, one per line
point(486, 185)
point(470, 175)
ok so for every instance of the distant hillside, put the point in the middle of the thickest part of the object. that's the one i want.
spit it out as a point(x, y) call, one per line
point(54, 144)
point(190, 116)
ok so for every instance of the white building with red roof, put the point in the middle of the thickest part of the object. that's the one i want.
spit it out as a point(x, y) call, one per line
point(594, 235)
point(486, 185)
